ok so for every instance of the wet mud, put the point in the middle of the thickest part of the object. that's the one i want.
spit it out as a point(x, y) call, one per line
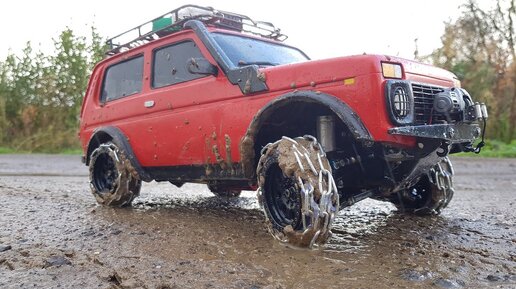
point(53, 234)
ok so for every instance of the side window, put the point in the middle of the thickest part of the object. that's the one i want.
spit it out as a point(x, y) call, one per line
point(171, 64)
point(123, 79)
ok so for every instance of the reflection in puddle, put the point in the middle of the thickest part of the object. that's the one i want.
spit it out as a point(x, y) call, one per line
point(354, 222)
point(350, 226)
point(196, 197)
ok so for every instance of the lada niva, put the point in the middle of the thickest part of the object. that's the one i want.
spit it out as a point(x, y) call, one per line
point(212, 97)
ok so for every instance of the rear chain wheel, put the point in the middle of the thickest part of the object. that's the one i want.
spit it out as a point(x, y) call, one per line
point(297, 191)
point(112, 177)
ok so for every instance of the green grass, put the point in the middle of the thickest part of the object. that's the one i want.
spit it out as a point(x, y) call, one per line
point(68, 151)
point(4, 150)
point(495, 149)
point(71, 151)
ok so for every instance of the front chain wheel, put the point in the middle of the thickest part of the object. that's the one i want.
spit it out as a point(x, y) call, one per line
point(441, 176)
point(297, 191)
point(431, 194)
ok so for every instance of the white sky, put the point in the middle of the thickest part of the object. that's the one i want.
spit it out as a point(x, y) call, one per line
point(321, 28)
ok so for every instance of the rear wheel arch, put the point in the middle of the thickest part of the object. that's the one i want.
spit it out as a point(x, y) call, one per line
point(115, 135)
point(300, 109)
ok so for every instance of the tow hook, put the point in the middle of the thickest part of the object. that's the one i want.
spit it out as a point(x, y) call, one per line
point(444, 149)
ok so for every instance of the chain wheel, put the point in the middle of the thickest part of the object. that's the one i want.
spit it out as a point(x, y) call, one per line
point(111, 180)
point(297, 191)
point(431, 194)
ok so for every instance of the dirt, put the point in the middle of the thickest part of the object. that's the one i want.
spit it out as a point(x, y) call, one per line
point(53, 234)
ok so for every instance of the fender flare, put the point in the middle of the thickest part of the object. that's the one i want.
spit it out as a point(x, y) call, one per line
point(119, 138)
point(347, 115)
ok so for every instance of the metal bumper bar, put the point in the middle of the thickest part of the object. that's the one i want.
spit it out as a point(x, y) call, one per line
point(454, 133)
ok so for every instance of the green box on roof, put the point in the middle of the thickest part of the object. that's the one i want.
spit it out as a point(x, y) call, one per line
point(161, 23)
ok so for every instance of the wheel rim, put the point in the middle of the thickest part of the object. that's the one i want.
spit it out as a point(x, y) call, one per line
point(105, 174)
point(282, 199)
point(419, 195)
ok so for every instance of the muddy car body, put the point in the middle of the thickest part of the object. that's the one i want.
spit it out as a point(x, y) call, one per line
point(201, 100)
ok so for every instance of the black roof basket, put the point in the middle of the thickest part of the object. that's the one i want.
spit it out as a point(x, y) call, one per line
point(173, 21)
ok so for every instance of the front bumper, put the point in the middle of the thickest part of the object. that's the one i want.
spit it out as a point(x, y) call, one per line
point(452, 133)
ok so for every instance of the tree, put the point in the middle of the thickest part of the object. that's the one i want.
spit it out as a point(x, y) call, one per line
point(479, 48)
point(41, 95)
point(97, 48)
point(3, 90)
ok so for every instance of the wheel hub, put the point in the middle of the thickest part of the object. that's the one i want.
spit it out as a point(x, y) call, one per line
point(106, 173)
point(283, 199)
point(289, 197)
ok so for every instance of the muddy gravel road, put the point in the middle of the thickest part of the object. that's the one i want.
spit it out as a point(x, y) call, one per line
point(54, 235)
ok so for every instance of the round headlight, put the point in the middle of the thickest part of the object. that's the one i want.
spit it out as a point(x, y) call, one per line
point(400, 102)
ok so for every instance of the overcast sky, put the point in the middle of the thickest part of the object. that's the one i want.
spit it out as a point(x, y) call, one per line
point(321, 28)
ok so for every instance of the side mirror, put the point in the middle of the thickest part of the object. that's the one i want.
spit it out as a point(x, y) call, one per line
point(201, 66)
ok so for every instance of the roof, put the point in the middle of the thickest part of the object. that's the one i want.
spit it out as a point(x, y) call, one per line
point(174, 20)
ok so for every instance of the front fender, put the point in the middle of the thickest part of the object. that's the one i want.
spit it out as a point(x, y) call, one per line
point(349, 117)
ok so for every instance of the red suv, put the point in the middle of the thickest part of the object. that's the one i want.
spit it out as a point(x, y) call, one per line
point(213, 97)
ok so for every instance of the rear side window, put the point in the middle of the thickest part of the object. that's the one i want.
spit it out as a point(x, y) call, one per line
point(171, 64)
point(123, 79)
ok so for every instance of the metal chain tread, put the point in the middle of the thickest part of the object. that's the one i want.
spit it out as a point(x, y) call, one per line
point(124, 178)
point(317, 217)
point(111, 150)
point(442, 178)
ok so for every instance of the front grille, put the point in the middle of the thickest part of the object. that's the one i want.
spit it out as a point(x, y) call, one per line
point(424, 102)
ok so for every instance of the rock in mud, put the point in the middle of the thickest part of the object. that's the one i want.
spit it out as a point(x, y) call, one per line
point(69, 253)
point(116, 232)
point(57, 261)
point(131, 283)
point(415, 275)
point(494, 278)
point(4, 248)
point(448, 284)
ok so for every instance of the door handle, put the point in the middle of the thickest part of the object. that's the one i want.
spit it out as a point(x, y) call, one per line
point(148, 103)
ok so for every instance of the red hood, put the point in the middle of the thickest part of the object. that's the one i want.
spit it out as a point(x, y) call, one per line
point(415, 69)
point(334, 69)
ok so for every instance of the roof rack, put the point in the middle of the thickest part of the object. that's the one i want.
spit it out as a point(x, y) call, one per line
point(173, 21)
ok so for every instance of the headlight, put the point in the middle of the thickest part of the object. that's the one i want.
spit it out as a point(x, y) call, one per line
point(392, 70)
point(400, 101)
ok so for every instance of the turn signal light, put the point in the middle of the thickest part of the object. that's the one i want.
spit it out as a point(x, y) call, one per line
point(391, 70)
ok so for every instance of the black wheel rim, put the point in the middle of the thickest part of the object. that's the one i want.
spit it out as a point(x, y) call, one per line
point(283, 200)
point(105, 174)
point(418, 196)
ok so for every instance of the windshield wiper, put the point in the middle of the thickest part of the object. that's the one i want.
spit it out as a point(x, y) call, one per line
point(259, 63)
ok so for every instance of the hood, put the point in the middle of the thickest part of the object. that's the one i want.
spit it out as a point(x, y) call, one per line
point(335, 69)
point(416, 70)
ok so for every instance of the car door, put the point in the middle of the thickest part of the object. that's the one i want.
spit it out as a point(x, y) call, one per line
point(182, 120)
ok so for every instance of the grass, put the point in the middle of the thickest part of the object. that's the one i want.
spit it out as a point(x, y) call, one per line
point(68, 151)
point(4, 150)
point(71, 151)
point(495, 149)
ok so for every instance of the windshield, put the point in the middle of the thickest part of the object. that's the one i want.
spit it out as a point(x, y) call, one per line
point(246, 51)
